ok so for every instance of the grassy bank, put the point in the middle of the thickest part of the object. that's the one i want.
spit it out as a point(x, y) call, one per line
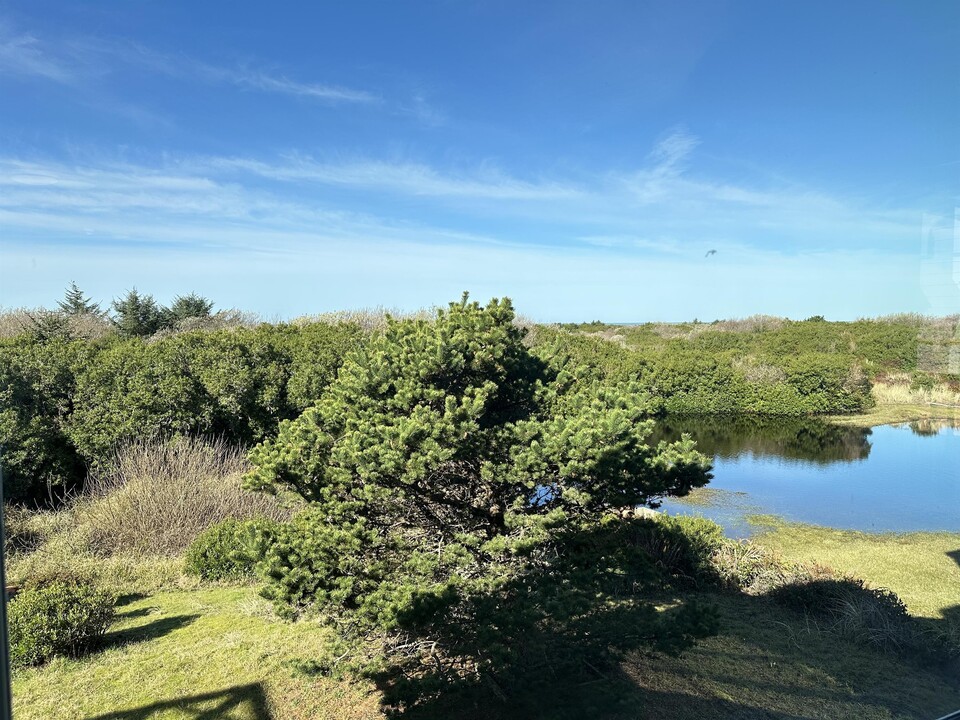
point(219, 651)
point(895, 414)
point(898, 402)
point(922, 568)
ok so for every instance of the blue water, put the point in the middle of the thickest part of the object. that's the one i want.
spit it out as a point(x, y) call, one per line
point(893, 478)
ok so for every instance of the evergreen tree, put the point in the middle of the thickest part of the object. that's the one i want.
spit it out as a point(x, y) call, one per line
point(75, 302)
point(137, 315)
point(187, 306)
point(446, 461)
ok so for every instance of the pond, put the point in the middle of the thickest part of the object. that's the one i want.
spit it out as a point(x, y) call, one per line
point(889, 478)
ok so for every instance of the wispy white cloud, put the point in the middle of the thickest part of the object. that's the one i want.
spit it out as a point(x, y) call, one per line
point(423, 111)
point(673, 149)
point(260, 80)
point(24, 56)
point(486, 183)
point(778, 250)
point(76, 60)
point(683, 215)
point(242, 76)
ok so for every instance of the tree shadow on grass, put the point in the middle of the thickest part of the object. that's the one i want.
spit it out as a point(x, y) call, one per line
point(240, 702)
point(148, 631)
point(139, 612)
point(764, 666)
point(583, 643)
point(954, 555)
point(128, 598)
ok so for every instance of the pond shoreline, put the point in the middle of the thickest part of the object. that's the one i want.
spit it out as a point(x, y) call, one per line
point(894, 414)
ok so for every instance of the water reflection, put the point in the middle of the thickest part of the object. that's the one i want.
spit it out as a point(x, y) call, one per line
point(932, 428)
point(900, 478)
point(731, 436)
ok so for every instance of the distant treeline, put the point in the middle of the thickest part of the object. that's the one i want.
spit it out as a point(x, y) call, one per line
point(763, 365)
point(69, 396)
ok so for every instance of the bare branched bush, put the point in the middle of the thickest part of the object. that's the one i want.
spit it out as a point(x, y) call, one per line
point(223, 320)
point(85, 326)
point(613, 334)
point(369, 319)
point(759, 373)
point(688, 331)
point(16, 321)
point(156, 496)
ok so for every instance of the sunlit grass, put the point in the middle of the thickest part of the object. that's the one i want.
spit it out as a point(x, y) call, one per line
point(900, 392)
point(922, 568)
point(172, 647)
point(175, 655)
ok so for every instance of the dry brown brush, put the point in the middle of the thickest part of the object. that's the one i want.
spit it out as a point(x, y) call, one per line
point(156, 496)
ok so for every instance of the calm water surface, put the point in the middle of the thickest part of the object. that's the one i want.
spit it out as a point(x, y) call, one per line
point(899, 478)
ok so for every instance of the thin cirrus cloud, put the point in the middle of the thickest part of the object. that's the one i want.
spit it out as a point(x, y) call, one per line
point(659, 209)
point(82, 60)
point(400, 177)
point(246, 214)
point(251, 78)
point(25, 56)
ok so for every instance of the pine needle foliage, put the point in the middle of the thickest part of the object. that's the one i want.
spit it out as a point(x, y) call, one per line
point(76, 302)
point(446, 463)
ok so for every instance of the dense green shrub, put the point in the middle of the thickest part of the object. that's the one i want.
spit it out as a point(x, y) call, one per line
point(230, 550)
point(773, 371)
point(230, 383)
point(62, 617)
point(316, 352)
point(36, 398)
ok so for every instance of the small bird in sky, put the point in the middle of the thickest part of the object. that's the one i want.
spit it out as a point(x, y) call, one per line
point(710, 252)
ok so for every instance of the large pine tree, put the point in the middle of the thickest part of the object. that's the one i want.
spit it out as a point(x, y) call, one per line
point(448, 460)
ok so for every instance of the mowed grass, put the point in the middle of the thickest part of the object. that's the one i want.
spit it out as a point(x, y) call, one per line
point(218, 653)
point(181, 654)
point(922, 568)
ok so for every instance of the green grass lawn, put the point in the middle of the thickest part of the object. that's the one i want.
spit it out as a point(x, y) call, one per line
point(209, 653)
point(219, 653)
point(922, 568)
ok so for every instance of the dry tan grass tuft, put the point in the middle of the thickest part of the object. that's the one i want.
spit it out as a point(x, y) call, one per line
point(897, 390)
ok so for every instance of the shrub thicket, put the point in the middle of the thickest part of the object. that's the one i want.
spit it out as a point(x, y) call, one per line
point(231, 549)
point(717, 377)
point(66, 405)
point(37, 388)
point(62, 617)
point(72, 389)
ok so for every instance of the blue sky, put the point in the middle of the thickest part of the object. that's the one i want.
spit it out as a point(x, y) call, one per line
point(581, 158)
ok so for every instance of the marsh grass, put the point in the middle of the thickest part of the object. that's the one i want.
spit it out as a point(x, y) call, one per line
point(898, 390)
point(922, 568)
